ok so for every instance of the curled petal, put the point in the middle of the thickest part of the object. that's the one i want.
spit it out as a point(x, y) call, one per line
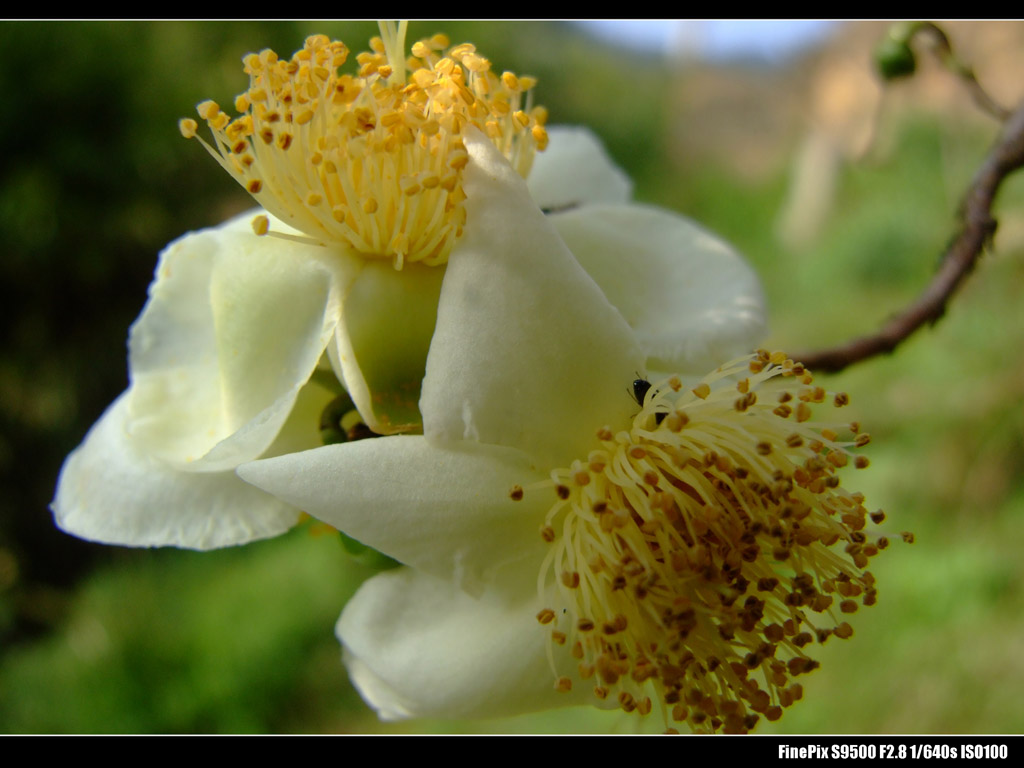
point(417, 646)
point(112, 490)
point(234, 326)
point(692, 300)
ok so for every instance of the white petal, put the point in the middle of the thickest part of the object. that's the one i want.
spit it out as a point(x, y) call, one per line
point(301, 431)
point(416, 646)
point(381, 345)
point(234, 326)
point(527, 352)
point(692, 300)
point(111, 491)
point(447, 513)
point(575, 170)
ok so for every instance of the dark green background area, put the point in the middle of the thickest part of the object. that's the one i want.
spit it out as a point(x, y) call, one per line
point(95, 180)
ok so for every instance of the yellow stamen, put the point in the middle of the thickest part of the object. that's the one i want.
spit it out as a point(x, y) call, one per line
point(709, 546)
point(373, 161)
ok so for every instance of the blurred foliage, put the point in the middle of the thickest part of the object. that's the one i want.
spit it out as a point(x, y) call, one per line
point(97, 180)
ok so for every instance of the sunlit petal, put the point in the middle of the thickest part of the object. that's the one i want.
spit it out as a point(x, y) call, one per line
point(111, 490)
point(575, 170)
point(448, 513)
point(550, 359)
point(466, 657)
point(692, 300)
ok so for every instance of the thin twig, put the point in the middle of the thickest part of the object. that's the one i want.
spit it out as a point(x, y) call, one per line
point(977, 228)
point(944, 52)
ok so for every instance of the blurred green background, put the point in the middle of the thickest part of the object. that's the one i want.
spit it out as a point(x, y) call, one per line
point(841, 198)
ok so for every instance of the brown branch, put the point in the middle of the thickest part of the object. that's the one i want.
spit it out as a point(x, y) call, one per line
point(976, 231)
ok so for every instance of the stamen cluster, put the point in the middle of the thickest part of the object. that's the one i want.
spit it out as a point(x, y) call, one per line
point(697, 557)
point(374, 159)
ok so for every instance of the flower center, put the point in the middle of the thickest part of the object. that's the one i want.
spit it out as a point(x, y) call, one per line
point(372, 160)
point(695, 556)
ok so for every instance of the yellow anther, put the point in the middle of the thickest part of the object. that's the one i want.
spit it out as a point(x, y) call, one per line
point(409, 187)
point(208, 110)
point(458, 159)
point(260, 225)
point(461, 50)
point(679, 531)
point(373, 161)
point(540, 135)
point(188, 127)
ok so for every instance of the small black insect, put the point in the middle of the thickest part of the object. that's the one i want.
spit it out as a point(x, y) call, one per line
point(640, 389)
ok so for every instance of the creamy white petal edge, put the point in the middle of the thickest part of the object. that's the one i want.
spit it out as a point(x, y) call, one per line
point(110, 491)
point(575, 170)
point(690, 298)
point(444, 512)
point(234, 327)
point(417, 646)
point(219, 357)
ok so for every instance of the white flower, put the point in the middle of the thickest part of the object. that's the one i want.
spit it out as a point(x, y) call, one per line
point(236, 324)
point(562, 547)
